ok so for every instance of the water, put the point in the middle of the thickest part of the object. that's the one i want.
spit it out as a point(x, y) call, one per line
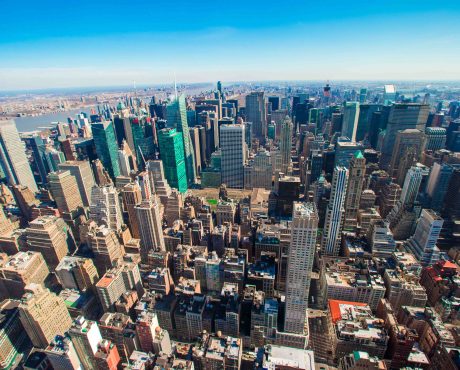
point(25, 124)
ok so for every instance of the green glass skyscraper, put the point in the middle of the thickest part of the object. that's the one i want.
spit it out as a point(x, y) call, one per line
point(176, 113)
point(172, 154)
point(106, 146)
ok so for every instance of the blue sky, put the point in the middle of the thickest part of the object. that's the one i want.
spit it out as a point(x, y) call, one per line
point(71, 43)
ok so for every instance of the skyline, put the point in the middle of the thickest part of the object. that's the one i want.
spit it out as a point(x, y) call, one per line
point(108, 44)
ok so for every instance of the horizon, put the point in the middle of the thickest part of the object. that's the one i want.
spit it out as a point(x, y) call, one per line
point(182, 84)
point(110, 44)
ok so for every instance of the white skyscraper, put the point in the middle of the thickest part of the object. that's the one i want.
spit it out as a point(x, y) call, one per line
point(412, 183)
point(105, 207)
point(150, 230)
point(13, 159)
point(423, 242)
point(330, 243)
point(233, 155)
point(304, 229)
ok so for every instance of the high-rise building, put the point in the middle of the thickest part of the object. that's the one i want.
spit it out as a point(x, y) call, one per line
point(177, 118)
point(330, 243)
point(150, 230)
point(105, 207)
point(423, 243)
point(132, 196)
point(106, 146)
point(126, 159)
point(43, 315)
point(158, 181)
point(105, 246)
point(438, 183)
point(344, 152)
point(195, 136)
point(381, 239)
point(22, 269)
point(25, 199)
point(412, 183)
point(116, 282)
point(50, 236)
point(13, 160)
point(121, 331)
point(85, 336)
point(435, 138)
point(356, 174)
point(389, 94)
point(304, 229)
point(407, 149)
point(61, 354)
point(350, 120)
point(258, 173)
point(172, 155)
point(37, 146)
point(286, 144)
point(256, 114)
point(365, 121)
point(233, 155)
point(64, 188)
point(82, 172)
point(77, 273)
point(402, 116)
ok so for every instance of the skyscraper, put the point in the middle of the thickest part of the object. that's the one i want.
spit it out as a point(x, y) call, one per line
point(77, 273)
point(105, 246)
point(407, 149)
point(50, 236)
point(85, 336)
point(83, 174)
point(330, 243)
point(435, 138)
point(438, 183)
point(255, 113)
point(172, 156)
point(37, 145)
point(304, 229)
point(105, 207)
point(357, 172)
point(106, 146)
point(158, 181)
point(233, 155)
point(150, 230)
point(195, 136)
point(132, 196)
point(423, 243)
point(43, 315)
point(402, 116)
point(350, 120)
point(286, 144)
point(177, 118)
point(412, 183)
point(13, 159)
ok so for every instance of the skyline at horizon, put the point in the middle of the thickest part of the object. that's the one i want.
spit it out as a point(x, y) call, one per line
point(46, 47)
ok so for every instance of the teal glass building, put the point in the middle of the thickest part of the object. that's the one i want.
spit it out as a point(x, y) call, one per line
point(176, 113)
point(106, 146)
point(172, 154)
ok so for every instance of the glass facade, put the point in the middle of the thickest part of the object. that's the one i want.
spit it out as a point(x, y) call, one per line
point(106, 146)
point(172, 155)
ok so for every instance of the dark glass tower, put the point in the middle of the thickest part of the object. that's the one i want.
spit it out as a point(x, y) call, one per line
point(106, 146)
